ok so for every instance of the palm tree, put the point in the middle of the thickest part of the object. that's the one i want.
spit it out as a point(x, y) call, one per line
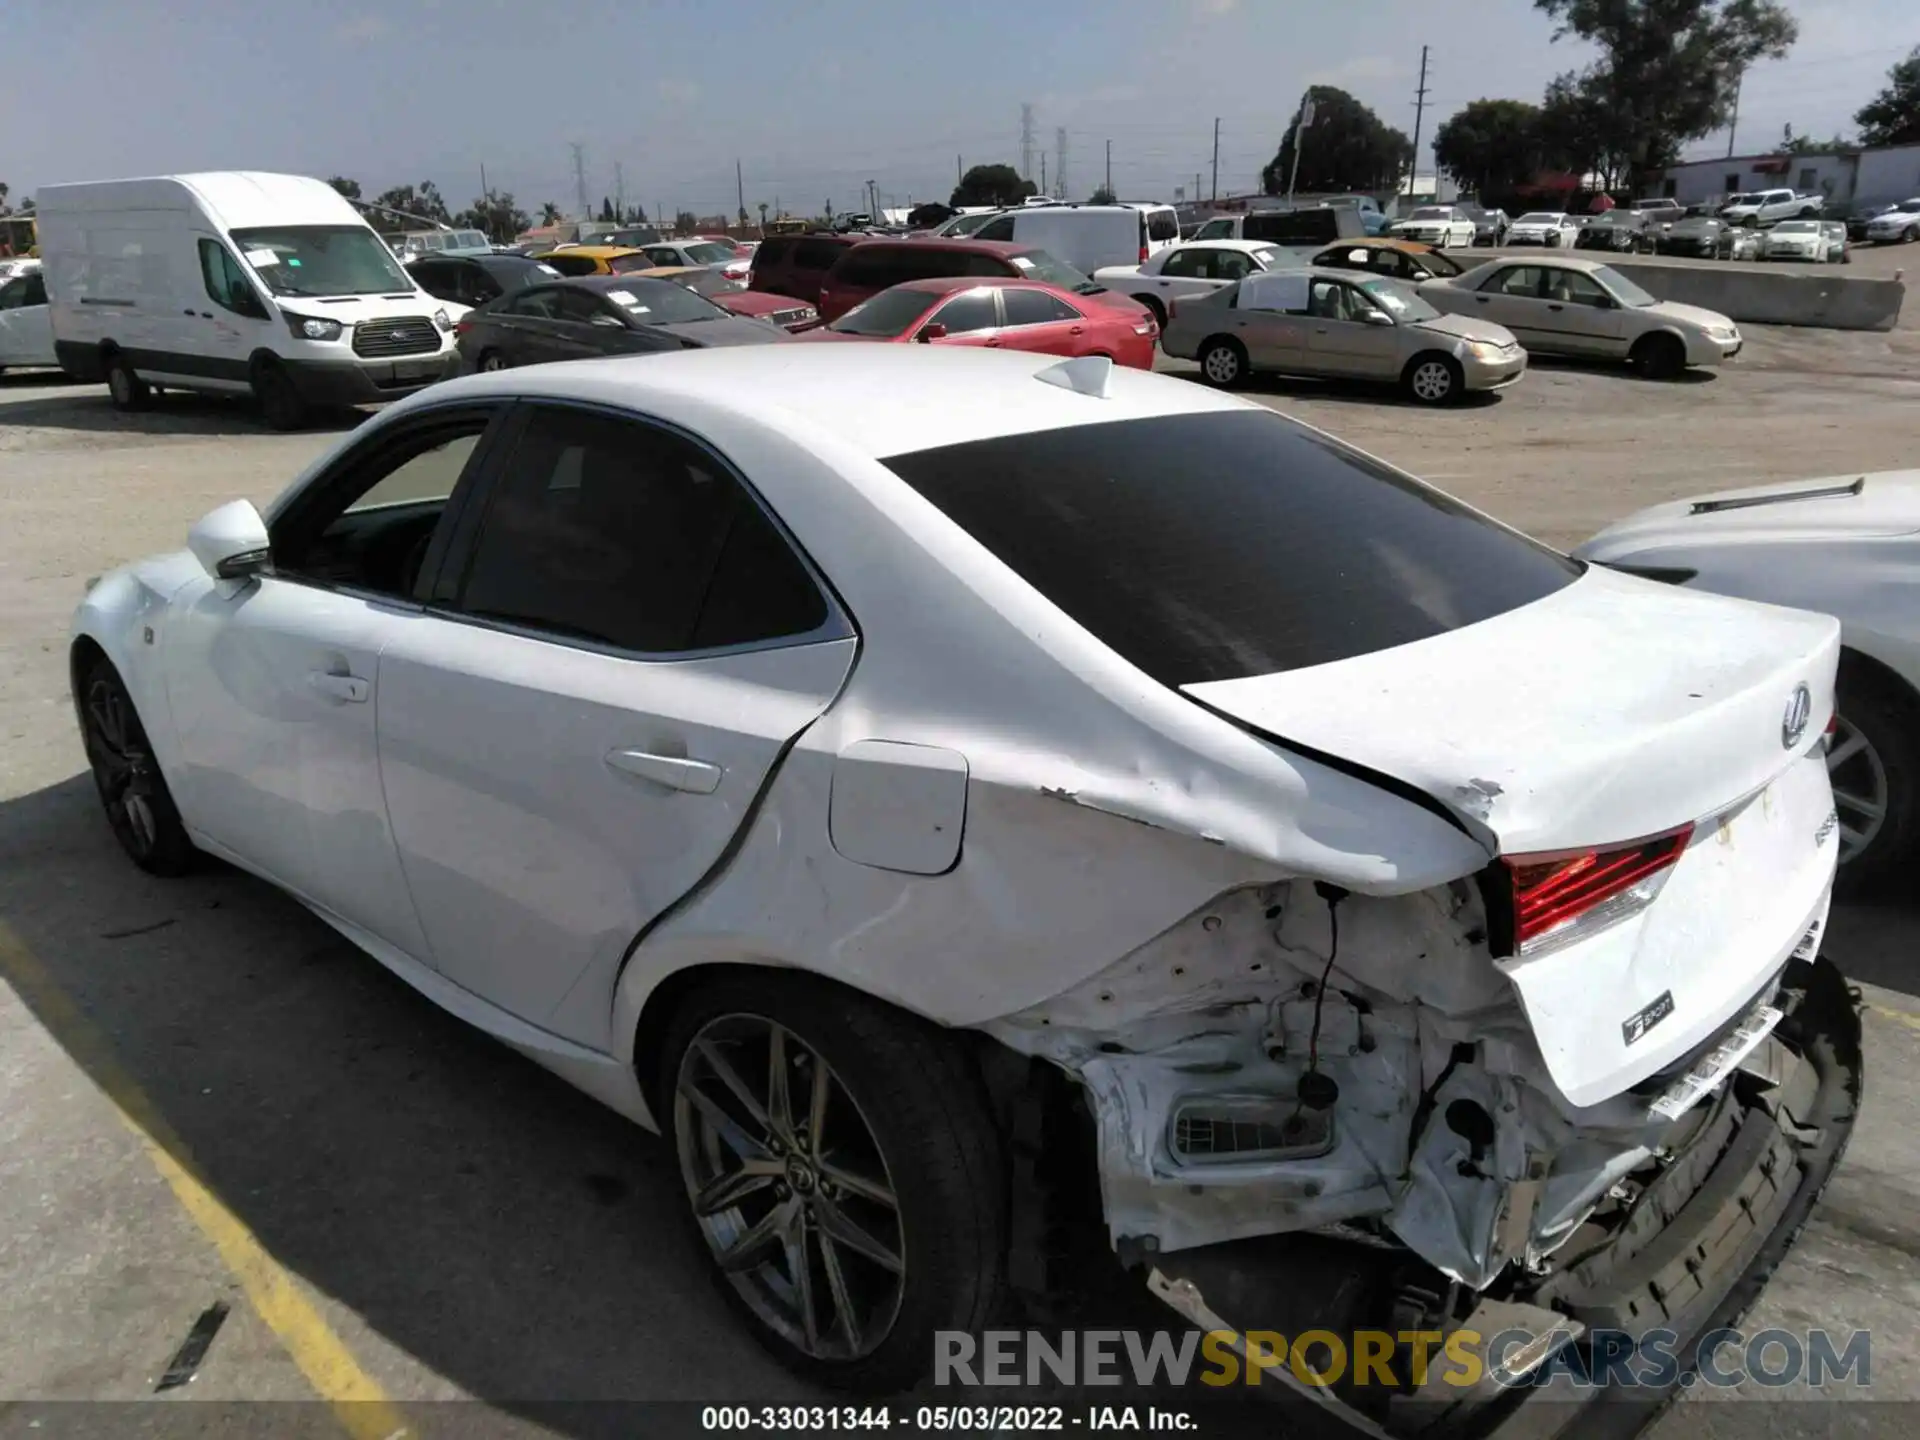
point(550, 214)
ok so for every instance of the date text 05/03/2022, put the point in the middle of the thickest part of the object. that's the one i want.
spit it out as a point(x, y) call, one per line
point(992, 1419)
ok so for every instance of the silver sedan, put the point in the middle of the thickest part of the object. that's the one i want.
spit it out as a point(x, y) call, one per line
point(1338, 324)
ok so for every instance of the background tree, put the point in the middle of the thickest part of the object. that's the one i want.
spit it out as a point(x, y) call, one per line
point(1893, 116)
point(348, 188)
point(1792, 144)
point(497, 215)
point(1347, 147)
point(550, 214)
point(1102, 196)
point(607, 212)
point(422, 201)
point(992, 185)
point(3, 197)
point(763, 214)
point(1668, 69)
point(1490, 147)
point(685, 222)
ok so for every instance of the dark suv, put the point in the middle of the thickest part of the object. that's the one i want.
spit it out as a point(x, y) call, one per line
point(877, 265)
point(794, 265)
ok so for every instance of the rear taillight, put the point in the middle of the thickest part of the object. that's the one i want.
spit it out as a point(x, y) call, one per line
point(462, 326)
point(1145, 327)
point(1560, 899)
point(1143, 252)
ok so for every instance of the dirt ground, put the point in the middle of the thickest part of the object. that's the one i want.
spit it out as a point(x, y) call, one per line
point(432, 1218)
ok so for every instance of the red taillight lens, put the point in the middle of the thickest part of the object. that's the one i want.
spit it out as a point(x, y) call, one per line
point(462, 326)
point(1551, 892)
point(1143, 254)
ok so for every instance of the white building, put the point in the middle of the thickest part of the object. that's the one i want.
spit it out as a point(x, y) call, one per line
point(1859, 178)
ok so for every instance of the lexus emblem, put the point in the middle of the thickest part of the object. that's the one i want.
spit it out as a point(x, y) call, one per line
point(1793, 725)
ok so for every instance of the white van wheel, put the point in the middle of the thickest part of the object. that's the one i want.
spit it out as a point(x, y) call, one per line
point(281, 404)
point(126, 389)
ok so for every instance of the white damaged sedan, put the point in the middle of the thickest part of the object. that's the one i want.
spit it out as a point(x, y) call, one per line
point(992, 812)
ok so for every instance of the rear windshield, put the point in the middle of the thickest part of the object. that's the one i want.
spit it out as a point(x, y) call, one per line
point(1231, 544)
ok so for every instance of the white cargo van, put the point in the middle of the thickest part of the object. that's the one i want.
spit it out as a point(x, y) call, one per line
point(236, 283)
point(1088, 237)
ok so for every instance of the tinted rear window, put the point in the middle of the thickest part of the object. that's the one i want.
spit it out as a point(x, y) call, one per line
point(1219, 546)
point(1162, 225)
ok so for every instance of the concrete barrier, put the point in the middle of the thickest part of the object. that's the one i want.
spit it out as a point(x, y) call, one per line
point(1753, 294)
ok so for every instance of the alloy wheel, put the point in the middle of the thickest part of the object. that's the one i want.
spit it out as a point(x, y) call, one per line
point(789, 1187)
point(1861, 793)
point(1431, 382)
point(1222, 365)
point(122, 769)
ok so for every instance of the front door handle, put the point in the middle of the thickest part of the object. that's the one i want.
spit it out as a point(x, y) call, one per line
point(1556, 307)
point(347, 689)
point(700, 777)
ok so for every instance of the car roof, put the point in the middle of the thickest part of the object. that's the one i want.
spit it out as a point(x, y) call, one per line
point(1377, 242)
point(1228, 242)
point(609, 282)
point(941, 284)
point(1001, 248)
point(822, 395)
point(592, 252)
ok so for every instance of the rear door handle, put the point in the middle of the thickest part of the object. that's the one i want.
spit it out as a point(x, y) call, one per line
point(348, 689)
point(700, 777)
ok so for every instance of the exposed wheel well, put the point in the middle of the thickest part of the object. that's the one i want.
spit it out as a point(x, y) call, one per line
point(1859, 665)
point(84, 651)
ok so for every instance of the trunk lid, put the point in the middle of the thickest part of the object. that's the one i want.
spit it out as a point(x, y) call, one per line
point(1612, 710)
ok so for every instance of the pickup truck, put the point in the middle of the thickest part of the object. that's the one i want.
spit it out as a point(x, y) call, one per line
point(1766, 207)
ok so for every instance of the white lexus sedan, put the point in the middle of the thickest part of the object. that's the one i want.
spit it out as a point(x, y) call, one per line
point(1059, 813)
point(1848, 546)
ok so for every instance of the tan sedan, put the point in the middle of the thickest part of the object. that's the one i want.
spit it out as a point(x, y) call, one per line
point(1339, 324)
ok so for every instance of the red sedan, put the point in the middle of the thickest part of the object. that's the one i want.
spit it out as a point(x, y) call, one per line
point(730, 295)
point(999, 314)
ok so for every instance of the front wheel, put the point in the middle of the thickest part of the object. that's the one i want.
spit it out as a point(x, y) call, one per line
point(842, 1171)
point(1659, 357)
point(492, 362)
point(132, 790)
point(1433, 379)
point(281, 404)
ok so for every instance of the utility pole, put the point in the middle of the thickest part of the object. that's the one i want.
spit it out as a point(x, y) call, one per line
point(619, 194)
point(958, 173)
point(1026, 142)
point(1043, 173)
point(740, 191)
point(580, 179)
point(1109, 185)
point(1060, 162)
point(485, 194)
point(1419, 114)
point(1216, 159)
point(1300, 122)
point(1733, 126)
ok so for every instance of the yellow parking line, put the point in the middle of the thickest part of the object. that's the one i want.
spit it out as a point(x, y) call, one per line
point(1899, 1017)
point(358, 1402)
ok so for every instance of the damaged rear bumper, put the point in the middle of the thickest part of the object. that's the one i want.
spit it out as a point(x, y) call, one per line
point(1686, 1263)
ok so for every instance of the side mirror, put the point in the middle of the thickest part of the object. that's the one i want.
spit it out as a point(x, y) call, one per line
point(231, 542)
point(1375, 317)
point(935, 331)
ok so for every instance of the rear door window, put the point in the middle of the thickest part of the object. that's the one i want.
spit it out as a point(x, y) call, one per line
point(1285, 550)
point(817, 254)
point(1035, 307)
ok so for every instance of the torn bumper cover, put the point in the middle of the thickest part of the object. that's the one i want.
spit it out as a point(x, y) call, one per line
point(1689, 1257)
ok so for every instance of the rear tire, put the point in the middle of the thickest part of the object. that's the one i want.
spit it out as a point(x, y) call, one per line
point(1433, 379)
point(906, 1118)
point(125, 389)
point(492, 362)
point(1223, 363)
point(281, 404)
point(1659, 357)
point(132, 790)
point(1875, 762)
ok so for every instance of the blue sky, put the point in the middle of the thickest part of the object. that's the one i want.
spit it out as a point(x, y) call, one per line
point(812, 99)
